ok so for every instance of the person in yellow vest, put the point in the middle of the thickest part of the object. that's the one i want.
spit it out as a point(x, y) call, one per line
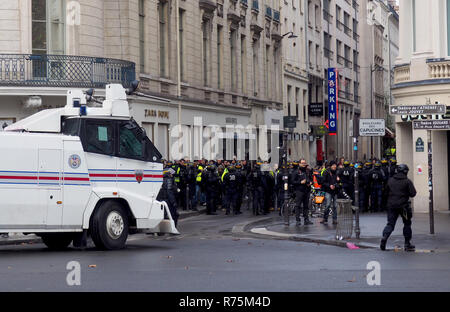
point(199, 194)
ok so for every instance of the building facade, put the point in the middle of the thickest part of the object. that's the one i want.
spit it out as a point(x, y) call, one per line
point(421, 77)
point(210, 66)
point(295, 77)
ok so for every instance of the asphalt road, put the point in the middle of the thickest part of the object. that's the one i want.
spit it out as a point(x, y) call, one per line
point(206, 257)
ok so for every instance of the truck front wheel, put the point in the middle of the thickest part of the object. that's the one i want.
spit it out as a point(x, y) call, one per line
point(109, 226)
point(57, 241)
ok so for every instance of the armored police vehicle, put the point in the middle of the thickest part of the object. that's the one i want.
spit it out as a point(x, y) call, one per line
point(81, 170)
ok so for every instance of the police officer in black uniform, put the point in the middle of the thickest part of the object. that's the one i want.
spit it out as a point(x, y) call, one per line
point(400, 189)
point(191, 176)
point(256, 183)
point(301, 180)
point(168, 193)
point(211, 183)
point(230, 182)
point(376, 177)
point(347, 179)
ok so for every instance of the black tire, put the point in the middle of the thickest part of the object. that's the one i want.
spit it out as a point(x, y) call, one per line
point(102, 234)
point(57, 241)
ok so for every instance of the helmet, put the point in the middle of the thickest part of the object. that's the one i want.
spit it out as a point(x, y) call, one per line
point(393, 160)
point(238, 166)
point(346, 162)
point(384, 161)
point(377, 164)
point(402, 168)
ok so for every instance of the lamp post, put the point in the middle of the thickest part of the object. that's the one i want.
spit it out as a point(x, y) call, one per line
point(285, 173)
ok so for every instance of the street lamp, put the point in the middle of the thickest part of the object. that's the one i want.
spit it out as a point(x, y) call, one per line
point(285, 172)
point(291, 35)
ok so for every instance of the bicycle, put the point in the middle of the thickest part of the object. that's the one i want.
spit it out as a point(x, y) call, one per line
point(288, 206)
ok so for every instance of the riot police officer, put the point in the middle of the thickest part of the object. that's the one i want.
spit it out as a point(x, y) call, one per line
point(392, 167)
point(346, 176)
point(211, 181)
point(376, 178)
point(365, 189)
point(301, 180)
point(231, 183)
point(191, 185)
point(400, 189)
point(168, 193)
point(257, 184)
point(242, 180)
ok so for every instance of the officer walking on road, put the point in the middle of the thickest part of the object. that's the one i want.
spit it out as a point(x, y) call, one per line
point(400, 189)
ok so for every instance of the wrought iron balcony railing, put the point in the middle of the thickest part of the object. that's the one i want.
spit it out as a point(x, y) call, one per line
point(327, 16)
point(64, 71)
point(328, 53)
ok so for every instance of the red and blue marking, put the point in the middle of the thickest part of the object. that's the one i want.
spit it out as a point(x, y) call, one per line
point(78, 179)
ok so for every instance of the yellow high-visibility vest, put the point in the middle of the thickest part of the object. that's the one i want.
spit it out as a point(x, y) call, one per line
point(224, 173)
point(177, 178)
point(199, 175)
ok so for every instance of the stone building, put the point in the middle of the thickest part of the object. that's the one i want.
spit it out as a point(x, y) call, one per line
point(422, 77)
point(295, 77)
point(341, 44)
point(219, 61)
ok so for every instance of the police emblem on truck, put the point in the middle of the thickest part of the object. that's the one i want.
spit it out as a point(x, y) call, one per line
point(139, 175)
point(74, 161)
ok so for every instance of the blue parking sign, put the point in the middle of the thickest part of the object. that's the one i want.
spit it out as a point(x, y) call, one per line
point(332, 100)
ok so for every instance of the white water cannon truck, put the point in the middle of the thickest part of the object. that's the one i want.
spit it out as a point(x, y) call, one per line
point(77, 171)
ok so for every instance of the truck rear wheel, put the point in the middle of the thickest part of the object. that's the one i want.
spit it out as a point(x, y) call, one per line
point(57, 241)
point(109, 226)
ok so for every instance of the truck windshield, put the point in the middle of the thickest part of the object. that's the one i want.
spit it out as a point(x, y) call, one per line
point(71, 126)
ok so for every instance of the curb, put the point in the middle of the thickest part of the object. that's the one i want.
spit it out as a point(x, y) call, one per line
point(188, 214)
point(244, 228)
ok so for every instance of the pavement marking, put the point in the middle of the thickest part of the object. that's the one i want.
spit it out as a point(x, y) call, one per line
point(264, 231)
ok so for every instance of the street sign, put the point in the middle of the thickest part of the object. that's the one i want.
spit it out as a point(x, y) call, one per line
point(315, 109)
point(432, 124)
point(372, 127)
point(417, 109)
point(290, 122)
point(332, 100)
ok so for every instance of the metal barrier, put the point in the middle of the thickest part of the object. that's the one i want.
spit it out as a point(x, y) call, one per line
point(64, 71)
point(344, 227)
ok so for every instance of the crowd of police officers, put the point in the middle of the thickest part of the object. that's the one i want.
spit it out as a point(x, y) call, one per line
point(230, 185)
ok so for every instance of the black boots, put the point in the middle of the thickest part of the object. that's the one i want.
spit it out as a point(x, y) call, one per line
point(383, 243)
point(409, 246)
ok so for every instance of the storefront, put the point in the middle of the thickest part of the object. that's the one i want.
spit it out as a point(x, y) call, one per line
point(207, 131)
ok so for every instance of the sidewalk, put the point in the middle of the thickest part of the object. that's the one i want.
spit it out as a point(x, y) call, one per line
point(371, 226)
point(21, 239)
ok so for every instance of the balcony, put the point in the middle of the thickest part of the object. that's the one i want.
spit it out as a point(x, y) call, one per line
point(339, 24)
point(356, 36)
point(356, 68)
point(328, 53)
point(348, 63)
point(340, 59)
point(355, 5)
point(402, 73)
point(345, 95)
point(327, 16)
point(32, 70)
point(348, 31)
